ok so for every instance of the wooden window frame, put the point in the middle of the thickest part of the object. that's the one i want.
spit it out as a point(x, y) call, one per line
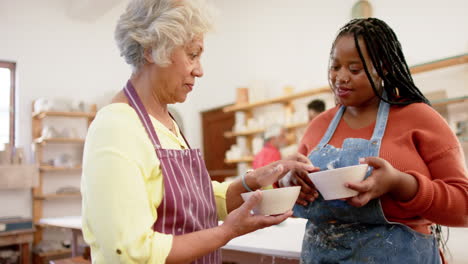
point(12, 66)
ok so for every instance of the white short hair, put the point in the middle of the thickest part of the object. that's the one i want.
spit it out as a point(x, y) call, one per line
point(272, 130)
point(160, 25)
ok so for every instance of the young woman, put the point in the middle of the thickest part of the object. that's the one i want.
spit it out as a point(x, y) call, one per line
point(418, 178)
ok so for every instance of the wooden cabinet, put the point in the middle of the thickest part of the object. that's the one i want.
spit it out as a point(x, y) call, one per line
point(18, 237)
point(42, 144)
point(17, 177)
point(247, 109)
point(214, 123)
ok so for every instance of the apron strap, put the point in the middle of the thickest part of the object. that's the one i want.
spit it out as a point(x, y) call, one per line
point(136, 103)
point(331, 128)
point(182, 134)
point(381, 124)
point(379, 129)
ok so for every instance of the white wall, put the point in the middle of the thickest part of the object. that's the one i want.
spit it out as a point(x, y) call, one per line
point(280, 44)
point(276, 42)
point(261, 40)
point(57, 57)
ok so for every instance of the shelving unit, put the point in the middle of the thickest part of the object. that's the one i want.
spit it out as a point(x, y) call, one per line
point(48, 168)
point(287, 100)
point(39, 197)
point(58, 140)
point(53, 196)
point(55, 253)
point(44, 114)
point(244, 159)
point(448, 101)
point(258, 131)
point(288, 106)
point(439, 64)
point(282, 99)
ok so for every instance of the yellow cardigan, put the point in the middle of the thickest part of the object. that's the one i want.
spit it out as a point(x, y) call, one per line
point(122, 187)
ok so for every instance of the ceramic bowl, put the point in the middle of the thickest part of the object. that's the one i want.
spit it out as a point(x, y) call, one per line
point(331, 183)
point(275, 201)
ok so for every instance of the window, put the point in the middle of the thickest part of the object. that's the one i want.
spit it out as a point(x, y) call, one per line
point(7, 103)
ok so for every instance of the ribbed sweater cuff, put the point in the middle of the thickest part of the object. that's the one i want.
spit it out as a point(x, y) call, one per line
point(424, 196)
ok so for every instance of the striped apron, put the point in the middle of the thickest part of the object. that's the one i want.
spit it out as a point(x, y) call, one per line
point(188, 203)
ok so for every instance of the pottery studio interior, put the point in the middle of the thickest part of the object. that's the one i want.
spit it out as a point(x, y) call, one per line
point(233, 132)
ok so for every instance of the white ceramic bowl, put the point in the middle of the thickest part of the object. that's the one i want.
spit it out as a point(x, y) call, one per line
point(275, 201)
point(331, 183)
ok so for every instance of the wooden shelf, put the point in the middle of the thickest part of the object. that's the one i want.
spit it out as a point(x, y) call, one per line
point(438, 64)
point(282, 99)
point(448, 101)
point(297, 125)
point(244, 159)
point(435, 103)
point(16, 232)
point(58, 140)
point(231, 134)
point(41, 115)
point(55, 196)
point(48, 168)
point(429, 66)
point(54, 253)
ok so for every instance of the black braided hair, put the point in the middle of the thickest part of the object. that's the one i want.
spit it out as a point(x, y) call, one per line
point(387, 57)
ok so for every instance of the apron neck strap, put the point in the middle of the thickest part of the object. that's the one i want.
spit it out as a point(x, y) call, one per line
point(381, 123)
point(332, 127)
point(136, 103)
point(379, 129)
point(182, 134)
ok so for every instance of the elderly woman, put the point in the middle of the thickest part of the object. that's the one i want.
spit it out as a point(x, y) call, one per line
point(147, 196)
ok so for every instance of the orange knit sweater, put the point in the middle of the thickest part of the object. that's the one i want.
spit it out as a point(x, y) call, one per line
point(419, 142)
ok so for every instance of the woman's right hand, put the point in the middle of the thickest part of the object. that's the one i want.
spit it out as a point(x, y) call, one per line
point(308, 191)
point(297, 177)
point(241, 221)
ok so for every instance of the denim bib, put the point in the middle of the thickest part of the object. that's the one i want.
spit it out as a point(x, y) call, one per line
point(337, 232)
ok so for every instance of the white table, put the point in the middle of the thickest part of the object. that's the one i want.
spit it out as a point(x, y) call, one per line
point(68, 222)
point(283, 240)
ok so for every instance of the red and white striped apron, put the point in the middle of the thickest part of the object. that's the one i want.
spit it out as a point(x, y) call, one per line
point(188, 203)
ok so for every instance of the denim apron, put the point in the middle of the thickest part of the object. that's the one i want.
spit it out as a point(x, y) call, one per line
point(337, 232)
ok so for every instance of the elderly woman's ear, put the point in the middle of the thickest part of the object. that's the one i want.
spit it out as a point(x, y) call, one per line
point(148, 54)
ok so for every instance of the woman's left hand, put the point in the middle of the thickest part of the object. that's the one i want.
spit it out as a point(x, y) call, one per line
point(384, 178)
